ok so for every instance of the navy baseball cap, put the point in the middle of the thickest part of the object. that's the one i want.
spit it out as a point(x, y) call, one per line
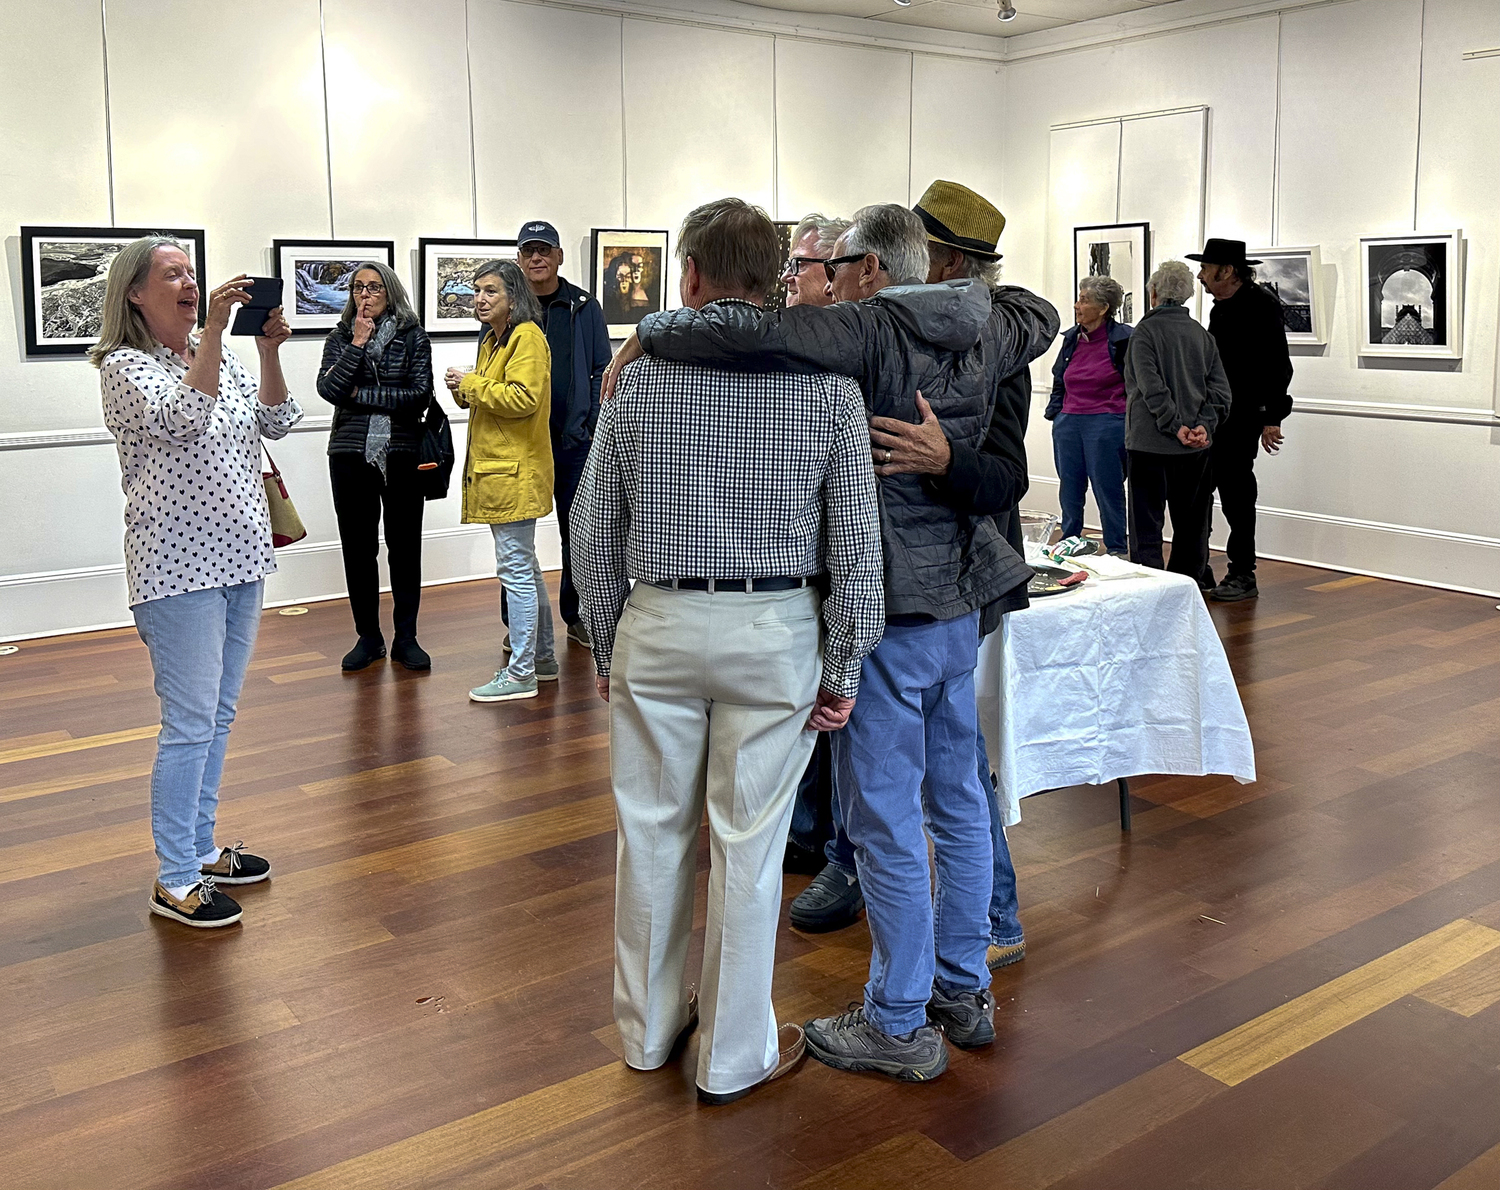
point(538, 230)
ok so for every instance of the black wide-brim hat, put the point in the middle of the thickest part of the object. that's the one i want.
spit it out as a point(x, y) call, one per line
point(1223, 252)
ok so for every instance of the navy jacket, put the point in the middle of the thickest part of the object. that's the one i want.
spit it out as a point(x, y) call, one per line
point(591, 355)
point(1119, 337)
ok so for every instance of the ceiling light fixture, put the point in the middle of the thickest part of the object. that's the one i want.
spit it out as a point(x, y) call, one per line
point(904, 3)
point(1007, 10)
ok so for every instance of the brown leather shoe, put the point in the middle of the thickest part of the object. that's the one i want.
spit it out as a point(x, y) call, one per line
point(792, 1043)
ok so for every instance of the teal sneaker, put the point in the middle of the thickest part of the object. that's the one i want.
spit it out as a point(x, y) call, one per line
point(503, 689)
point(546, 671)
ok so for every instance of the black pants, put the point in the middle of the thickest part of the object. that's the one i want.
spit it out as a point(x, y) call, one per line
point(1156, 484)
point(567, 471)
point(359, 495)
point(1232, 471)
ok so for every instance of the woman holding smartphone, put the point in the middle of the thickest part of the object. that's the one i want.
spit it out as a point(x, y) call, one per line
point(377, 374)
point(188, 420)
point(508, 472)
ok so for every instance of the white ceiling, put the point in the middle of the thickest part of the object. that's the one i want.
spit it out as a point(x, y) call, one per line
point(969, 16)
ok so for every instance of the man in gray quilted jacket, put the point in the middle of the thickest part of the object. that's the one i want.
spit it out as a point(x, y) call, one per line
point(908, 751)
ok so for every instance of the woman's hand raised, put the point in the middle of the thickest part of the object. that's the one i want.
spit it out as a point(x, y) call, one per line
point(222, 301)
point(364, 325)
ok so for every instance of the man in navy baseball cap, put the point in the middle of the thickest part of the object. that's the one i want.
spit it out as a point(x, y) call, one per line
point(574, 324)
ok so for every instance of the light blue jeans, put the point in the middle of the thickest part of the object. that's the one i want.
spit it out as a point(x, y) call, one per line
point(520, 573)
point(200, 644)
point(906, 760)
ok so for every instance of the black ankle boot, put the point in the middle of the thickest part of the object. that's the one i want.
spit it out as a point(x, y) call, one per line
point(367, 651)
point(407, 652)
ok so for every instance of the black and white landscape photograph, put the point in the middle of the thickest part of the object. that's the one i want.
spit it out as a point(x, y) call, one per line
point(318, 274)
point(1293, 276)
point(1120, 251)
point(1413, 295)
point(64, 274)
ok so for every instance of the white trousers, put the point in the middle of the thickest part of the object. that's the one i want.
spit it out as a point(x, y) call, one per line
point(709, 700)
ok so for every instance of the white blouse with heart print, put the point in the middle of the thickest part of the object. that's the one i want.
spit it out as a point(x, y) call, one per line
point(195, 505)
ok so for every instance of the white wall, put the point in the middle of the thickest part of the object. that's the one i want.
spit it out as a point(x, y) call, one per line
point(1326, 123)
point(250, 151)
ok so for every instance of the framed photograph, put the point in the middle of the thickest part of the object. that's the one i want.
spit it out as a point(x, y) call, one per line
point(629, 276)
point(319, 272)
point(63, 272)
point(777, 299)
point(445, 282)
point(1413, 304)
point(1118, 250)
point(1294, 276)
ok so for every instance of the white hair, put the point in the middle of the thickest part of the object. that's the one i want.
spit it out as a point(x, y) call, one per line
point(1172, 282)
point(894, 234)
point(828, 231)
point(1102, 291)
point(987, 272)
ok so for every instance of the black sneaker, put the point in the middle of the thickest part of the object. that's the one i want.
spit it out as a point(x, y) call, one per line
point(831, 902)
point(410, 654)
point(235, 867)
point(966, 1019)
point(364, 654)
point(203, 907)
point(578, 633)
point(849, 1042)
point(1235, 588)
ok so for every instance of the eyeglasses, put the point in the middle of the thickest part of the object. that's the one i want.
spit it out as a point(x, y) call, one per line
point(831, 266)
point(792, 266)
point(374, 290)
point(535, 248)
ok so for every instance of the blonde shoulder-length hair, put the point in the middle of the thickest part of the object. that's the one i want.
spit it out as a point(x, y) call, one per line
point(123, 323)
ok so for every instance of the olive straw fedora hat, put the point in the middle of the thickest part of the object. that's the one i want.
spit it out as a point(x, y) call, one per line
point(1223, 252)
point(954, 215)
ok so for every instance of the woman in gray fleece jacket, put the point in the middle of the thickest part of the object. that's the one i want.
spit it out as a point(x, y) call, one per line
point(1176, 397)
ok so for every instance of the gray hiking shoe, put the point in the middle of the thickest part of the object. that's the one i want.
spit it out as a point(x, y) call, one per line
point(849, 1042)
point(966, 1018)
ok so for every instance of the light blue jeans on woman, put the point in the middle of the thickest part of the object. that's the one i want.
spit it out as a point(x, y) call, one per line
point(520, 573)
point(200, 644)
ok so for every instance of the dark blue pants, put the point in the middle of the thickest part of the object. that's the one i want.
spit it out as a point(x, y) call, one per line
point(1089, 450)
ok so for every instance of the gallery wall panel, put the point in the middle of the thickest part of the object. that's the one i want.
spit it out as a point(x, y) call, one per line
point(958, 122)
point(219, 123)
point(398, 120)
point(547, 146)
point(843, 128)
point(53, 170)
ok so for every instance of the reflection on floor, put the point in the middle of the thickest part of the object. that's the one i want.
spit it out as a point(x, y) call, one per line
point(1289, 984)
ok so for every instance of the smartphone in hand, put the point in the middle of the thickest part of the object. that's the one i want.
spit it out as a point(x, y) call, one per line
point(265, 296)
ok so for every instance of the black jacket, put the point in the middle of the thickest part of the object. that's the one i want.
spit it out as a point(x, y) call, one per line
point(939, 562)
point(992, 478)
point(1251, 335)
point(347, 380)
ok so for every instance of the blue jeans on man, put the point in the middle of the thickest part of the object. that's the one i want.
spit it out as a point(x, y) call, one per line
point(905, 763)
point(200, 644)
point(1089, 450)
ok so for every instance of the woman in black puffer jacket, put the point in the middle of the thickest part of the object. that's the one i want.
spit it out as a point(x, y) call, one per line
point(377, 373)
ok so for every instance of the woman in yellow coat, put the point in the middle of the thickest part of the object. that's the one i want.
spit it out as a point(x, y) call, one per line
point(508, 472)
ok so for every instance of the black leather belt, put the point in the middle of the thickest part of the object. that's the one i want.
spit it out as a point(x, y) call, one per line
point(777, 583)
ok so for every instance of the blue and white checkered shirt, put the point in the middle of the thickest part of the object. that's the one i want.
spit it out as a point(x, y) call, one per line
point(702, 473)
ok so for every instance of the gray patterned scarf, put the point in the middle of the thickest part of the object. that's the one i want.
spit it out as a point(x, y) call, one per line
point(378, 436)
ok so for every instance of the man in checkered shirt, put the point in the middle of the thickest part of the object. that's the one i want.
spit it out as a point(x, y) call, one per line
point(743, 507)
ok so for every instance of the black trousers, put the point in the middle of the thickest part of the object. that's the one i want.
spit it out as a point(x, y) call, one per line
point(1232, 472)
point(359, 497)
point(567, 473)
point(1158, 483)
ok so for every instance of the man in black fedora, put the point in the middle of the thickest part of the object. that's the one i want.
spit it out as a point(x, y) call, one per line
point(1246, 322)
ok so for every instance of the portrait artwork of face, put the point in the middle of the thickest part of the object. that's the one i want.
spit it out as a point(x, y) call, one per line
point(632, 284)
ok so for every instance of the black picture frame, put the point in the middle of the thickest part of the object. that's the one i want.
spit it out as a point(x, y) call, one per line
point(1136, 303)
point(42, 341)
point(330, 251)
point(653, 245)
point(435, 309)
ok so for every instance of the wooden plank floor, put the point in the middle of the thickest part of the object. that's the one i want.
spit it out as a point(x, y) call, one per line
point(1290, 984)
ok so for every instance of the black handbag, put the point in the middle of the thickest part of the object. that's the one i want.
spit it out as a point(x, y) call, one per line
point(435, 452)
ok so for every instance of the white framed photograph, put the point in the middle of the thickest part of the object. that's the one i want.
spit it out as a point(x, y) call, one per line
point(1121, 251)
point(445, 282)
point(1294, 277)
point(319, 272)
point(1412, 295)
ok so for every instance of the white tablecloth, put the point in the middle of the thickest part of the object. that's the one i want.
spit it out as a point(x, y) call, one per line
point(1125, 676)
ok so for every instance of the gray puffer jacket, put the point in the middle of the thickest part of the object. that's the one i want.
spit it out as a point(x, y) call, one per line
point(939, 562)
